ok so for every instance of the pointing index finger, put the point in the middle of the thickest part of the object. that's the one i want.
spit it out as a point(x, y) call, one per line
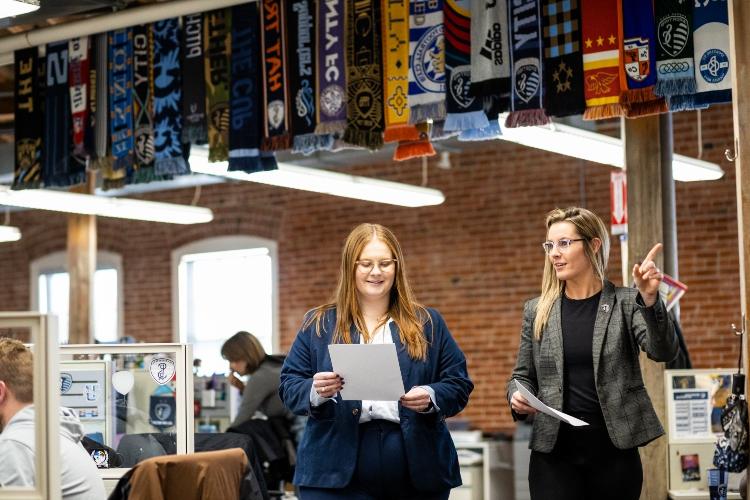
point(653, 252)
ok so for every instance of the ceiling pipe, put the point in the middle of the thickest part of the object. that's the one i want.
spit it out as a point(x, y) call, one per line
point(99, 24)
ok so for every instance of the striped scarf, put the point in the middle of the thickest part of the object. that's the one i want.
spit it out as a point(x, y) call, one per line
point(275, 98)
point(675, 72)
point(563, 65)
point(28, 116)
point(601, 58)
point(194, 126)
point(218, 34)
point(427, 61)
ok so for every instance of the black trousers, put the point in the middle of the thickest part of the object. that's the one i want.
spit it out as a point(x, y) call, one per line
point(585, 465)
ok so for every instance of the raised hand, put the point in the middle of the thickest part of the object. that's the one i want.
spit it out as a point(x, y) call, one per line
point(647, 277)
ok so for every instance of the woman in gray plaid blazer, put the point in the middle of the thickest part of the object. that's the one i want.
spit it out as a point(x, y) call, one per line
point(579, 353)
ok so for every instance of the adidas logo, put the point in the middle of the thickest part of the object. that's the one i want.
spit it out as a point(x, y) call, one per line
point(493, 45)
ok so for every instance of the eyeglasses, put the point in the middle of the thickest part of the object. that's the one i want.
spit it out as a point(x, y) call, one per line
point(384, 265)
point(561, 245)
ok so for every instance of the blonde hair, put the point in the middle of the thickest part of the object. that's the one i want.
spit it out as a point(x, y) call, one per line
point(244, 346)
point(589, 227)
point(17, 369)
point(409, 316)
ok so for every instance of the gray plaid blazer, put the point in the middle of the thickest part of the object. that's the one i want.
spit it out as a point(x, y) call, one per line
point(623, 326)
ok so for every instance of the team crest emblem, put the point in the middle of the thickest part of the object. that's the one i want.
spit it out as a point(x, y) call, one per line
point(162, 370)
point(163, 411)
point(101, 458)
point(220, 117)
point(636, 57)
point(276, 114)
point(460, 86)
point(428, 61)
point(714, 65)
point(527, 79)
point(332, 100)
point(674, 32)
point(66, 382)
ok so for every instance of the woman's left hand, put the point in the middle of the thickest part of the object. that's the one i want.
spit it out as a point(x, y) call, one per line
point(417, 399)
point(647, 277)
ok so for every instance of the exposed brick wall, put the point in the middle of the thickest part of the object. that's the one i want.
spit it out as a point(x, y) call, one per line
point(476, 257)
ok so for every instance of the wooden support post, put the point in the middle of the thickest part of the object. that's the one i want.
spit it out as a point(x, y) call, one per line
point(81, 268)
point(645, 228)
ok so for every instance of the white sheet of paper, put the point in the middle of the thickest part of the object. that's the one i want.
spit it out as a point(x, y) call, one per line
point(533, 401)
point(370, 371)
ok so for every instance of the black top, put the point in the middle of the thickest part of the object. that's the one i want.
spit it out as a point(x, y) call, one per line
point(579, 390)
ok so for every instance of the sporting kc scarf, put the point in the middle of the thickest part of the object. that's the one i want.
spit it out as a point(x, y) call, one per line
point(526, 60)
point(675, 73)
point(427, 61)
point(78, 80)
point(331, 67)
point(638, 59)
point(194, 126)
point(396, 72)
point(168, 155)
point(490, 55)
point(601, 56)
point(364, 103)
point(244, 128)
point(711, 55)
point(275, 98)
point(218, 34)
point(563, 65)
point(143, 104)
point(57, 117)
point(464, 111)
point(28, 117)
point(121, 99)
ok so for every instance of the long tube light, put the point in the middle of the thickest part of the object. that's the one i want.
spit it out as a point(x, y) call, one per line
point(600, 148)
point(326, 182)
point(12, 8)
point(87, 204)
point(9, 233)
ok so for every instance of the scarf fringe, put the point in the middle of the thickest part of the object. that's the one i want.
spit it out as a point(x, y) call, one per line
point(526, 118)
point(277, 142)
point(491, 131)
point(413, 149)
point(675, 86)
point(603, 112)
point(335, 127)
point(309, 143)
point(365, 138)
point(631, 96)
point(466, 121)
point(268, 161)
point(171, 166)
point(439, 133)
point(65, 180)
point(400, 132)
point(195, 134)
point(645, 108)
point(101, 163)
point(422, 112)
point(249, 164)
point(143, 175)
point(18, 186)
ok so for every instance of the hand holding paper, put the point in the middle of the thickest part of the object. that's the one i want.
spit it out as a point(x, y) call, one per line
point(371, 371)
point(533, 401)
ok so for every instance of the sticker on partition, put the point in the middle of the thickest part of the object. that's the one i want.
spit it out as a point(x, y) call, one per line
point(122, 382)
point(101, 458)
point(66, 382)
point(91, 391)
point(162, 370)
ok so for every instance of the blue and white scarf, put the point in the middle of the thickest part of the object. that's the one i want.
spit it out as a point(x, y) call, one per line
point(426, 61)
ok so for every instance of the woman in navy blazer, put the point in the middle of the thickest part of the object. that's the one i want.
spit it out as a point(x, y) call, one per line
point(376, 449)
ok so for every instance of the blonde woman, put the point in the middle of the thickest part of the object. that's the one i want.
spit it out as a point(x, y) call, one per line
point(376, 449)
point(579, 353)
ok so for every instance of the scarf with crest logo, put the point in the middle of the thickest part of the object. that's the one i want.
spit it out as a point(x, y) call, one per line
point(194, 126)
point(426, 61)
point(218, 34)
point(143, 105)
point(330, 102)
point(120, 105)
point(601, 56)
point(275, 98)
point(28, 115)
point(674, 52)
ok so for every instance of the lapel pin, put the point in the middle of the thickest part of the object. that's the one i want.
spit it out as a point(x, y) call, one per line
point(605, 308)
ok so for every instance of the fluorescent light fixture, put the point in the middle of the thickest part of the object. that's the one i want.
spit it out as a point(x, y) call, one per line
point(326, 182)
point(600, 148)
point(9, 233)
point(87, 204)
point(12, 8)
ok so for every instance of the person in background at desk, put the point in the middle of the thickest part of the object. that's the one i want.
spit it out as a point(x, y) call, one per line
point(368, 450)
point(579, 353)
point(246, 356)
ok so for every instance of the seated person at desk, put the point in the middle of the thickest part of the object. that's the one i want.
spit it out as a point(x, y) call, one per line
point(79, 479)
point(246, 356)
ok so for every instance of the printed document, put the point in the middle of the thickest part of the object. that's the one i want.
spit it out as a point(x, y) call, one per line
point(370, 371)
point(533, 401)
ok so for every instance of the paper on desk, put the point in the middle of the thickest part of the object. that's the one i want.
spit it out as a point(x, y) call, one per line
point(370, 371)
point(533, 401)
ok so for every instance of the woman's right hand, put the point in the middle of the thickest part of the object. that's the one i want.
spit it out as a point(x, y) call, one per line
point(327, 384)
point(520, 405)
point(236, 382)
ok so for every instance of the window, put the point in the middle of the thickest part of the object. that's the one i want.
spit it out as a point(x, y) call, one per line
point(50, 293)
point(225, 285)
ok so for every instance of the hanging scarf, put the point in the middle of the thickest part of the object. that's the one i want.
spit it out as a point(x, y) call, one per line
point(244, 127)
point(464, 111)
point(711, 60)
point(601, 58)
point(675, 73)
point(194, 128)
point(490, 55)
point(526, 60)
point(364, 102)
point(563, 66)
point(487, 133)
point(143, 105)
point(275, 98)
point(331, 68)
point(101, 116)
point(57, 117)
point(121, 99)
point(396, 72)
point(218, 34)
point(28, 116)
point(427, 61)
point(168, 153)
point(78, 81)
point(89, 134)
point(417, 148)
point(638, 59)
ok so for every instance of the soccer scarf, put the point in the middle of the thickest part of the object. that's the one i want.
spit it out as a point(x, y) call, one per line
point(364, 104)
point(563, 65)
point(463, 109)
point(490, 55)
point(427, 61)
point(78, 81)
point(675, 72)
point(275, 98)
point(601, 56)
point(396, 72)
point(93, 88)
point(143, 105)
point(244, 128)
point(330, 105)
point(57, 117)
point(121, 100)
point(194, 127)
point(101, 135)
point(526, 61)
point(638, 59)
point(218, 34)
point(28, 116)
point(168, 153)
point(417, 148)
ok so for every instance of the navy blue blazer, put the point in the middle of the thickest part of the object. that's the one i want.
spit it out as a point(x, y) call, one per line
point(327, 455)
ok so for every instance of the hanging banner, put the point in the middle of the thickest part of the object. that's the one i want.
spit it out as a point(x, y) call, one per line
point(618, 193)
